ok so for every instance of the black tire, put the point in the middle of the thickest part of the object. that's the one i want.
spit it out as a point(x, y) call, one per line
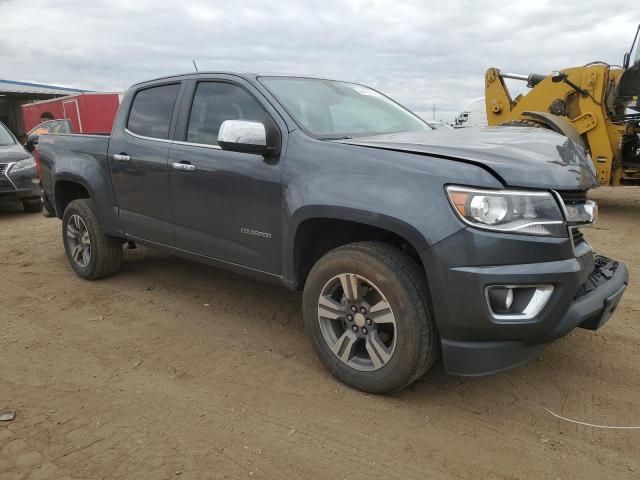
point(32, 206)
point(400, 279)
point(106, 253)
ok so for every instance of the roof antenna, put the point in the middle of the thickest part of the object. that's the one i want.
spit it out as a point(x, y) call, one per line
point(194, 65)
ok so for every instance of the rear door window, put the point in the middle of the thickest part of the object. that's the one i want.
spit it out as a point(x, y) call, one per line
point(151, 112)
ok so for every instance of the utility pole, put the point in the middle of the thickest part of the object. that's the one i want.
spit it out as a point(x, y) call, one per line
point(434, 111)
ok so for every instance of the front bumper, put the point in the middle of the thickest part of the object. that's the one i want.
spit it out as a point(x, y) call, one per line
point(20, 186)
point(474, 342)
point(589, 311)
point(12, 196)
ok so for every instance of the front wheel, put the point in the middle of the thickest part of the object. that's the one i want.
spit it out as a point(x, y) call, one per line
point(367, 311)
point(91, 254)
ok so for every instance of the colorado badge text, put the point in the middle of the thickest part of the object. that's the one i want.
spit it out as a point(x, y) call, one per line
point(255, 233)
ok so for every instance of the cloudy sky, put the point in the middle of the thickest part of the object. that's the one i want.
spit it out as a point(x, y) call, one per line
point(419, 52)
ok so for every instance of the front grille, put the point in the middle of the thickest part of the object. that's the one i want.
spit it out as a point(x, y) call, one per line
point(573, 196)
point(5, 184)
point(577, 236)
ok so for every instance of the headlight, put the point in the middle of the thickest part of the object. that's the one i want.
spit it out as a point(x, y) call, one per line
point(509, 211)
point(22, 165)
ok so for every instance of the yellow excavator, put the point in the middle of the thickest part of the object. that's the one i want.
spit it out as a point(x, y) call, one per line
point(597, 104)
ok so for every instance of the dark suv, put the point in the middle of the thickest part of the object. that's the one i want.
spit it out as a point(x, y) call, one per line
point(18, 178)
point(407, 241)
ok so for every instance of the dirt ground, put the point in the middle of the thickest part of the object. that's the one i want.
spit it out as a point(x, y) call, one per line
point(173, 370)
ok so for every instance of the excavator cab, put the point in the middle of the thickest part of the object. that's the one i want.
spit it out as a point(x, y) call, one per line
point(628, 94)
point(597, 105)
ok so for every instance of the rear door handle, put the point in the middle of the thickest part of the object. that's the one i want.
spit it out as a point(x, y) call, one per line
point(183, 166)
point(121, 157)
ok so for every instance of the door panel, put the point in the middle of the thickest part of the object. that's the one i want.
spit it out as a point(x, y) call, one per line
point(138, 156)
point(141, 187)
point(228, 207)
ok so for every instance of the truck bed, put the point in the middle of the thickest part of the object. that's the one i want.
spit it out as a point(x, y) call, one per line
point(58, 151)
point(82, 159)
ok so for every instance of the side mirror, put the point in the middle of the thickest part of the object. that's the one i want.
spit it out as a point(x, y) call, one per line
point(243, 136)
point(32, 141)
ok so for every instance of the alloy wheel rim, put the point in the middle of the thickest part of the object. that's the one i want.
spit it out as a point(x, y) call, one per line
point(79, 240)
point(357, 322)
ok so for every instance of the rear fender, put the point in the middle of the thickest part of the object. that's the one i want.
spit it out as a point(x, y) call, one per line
point(97, 183)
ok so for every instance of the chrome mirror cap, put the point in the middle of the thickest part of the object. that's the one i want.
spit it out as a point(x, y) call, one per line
point(243, 136)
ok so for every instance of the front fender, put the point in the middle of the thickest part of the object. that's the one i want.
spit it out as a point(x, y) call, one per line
point(399, 192)
point(349, 214)
point(365, 217)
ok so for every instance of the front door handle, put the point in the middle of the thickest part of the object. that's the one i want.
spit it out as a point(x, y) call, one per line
point(183, 166)
point(121, 157)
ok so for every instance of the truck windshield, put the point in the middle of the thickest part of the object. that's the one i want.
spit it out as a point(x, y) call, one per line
point(5, 136)
point(330, 110)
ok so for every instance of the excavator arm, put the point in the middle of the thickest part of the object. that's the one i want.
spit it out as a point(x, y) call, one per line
point(572, 102)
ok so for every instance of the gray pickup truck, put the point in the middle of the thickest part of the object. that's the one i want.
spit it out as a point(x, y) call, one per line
point(408, 242)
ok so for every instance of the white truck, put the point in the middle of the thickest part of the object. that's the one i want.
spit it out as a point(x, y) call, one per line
point(473, 114)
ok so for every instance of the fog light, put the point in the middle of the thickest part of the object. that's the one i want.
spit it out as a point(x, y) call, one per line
point(517, 302)
point(501, 299)
point(508, 301)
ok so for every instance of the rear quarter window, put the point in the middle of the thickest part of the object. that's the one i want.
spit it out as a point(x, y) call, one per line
point(151, 111)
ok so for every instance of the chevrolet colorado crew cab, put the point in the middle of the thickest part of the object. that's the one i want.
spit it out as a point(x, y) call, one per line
point(408, 242)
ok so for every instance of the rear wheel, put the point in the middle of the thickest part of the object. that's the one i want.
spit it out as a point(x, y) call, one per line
point(91, 254)
point(367, 312)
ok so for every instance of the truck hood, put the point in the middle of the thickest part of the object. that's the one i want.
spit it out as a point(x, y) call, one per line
point(12, 153)
point(518, 156)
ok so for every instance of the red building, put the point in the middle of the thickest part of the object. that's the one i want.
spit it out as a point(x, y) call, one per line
point(14, 94)
point(88, 112)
